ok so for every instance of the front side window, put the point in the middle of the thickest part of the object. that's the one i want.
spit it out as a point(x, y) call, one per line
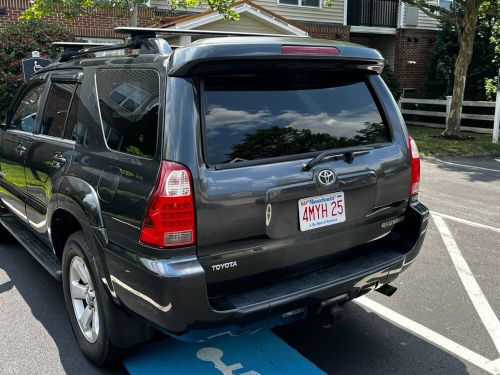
point(129, 102)
point(56, 109)
point(253, 117)
point(303, 3)
point(25, 115)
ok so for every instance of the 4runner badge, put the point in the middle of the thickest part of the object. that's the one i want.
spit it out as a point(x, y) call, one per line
point(393, 222)
point(223, 266)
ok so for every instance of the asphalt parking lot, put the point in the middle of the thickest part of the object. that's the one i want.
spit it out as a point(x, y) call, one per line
point(444, 318)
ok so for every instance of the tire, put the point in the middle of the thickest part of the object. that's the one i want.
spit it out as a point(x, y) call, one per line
point(86, 298)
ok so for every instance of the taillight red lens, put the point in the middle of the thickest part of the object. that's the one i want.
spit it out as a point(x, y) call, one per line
point(309, 50)
point(415, 166)
point(170, 219)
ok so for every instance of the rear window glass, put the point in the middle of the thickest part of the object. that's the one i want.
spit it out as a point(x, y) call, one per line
point(255, 117)
point(129, 100)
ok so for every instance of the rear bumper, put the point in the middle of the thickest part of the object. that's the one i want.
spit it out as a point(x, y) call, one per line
point(172, 295)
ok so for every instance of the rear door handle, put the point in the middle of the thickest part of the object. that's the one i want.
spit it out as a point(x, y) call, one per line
point(58, 160)
point(21, 149)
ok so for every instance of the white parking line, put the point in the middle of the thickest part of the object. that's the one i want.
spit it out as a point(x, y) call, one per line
point(467, 166)
point(468, 222)
point(496, 366)
point(481, 304)
point(428, 335)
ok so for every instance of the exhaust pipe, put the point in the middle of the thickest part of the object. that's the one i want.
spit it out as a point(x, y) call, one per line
point(387, 290)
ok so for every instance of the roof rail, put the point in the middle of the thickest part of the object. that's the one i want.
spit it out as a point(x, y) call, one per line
point(144, 41)
point(72, 49)
point(153, 32)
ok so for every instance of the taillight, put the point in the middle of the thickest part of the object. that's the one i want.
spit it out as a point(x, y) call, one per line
point(415, 167)
point(309, 50)
point(170, 219)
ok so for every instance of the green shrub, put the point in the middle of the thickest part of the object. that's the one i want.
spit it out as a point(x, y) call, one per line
point(17, 41)
point(392, 81)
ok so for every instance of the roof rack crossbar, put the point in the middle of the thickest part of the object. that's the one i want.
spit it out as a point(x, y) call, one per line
point(152, 32)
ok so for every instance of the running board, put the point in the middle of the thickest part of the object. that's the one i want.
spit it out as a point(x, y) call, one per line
point(35, 247)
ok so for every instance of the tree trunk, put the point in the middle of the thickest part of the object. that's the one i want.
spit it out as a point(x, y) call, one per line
point(134, 16)
point(466, 41)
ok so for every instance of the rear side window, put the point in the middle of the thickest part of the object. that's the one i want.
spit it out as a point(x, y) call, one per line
point(129, 101)
point(256, 117)
point(56, 109)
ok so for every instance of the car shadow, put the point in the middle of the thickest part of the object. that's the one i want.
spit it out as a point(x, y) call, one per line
point(473, 175)
point(43, 294)
point(364, 343)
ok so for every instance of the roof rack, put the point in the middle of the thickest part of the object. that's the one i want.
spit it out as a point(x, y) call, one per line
point(145, 39)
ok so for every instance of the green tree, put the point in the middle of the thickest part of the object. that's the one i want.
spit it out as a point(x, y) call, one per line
point(278, 141)
point(74, 8)
point(439, 81)
point(491, 83)
point(465, 15)
point(17, 41)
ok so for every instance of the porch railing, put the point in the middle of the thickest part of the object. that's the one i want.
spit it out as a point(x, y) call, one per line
point(375, 13)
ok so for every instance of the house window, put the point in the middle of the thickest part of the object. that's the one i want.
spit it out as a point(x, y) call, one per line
point(446, 4)
point(301, 3)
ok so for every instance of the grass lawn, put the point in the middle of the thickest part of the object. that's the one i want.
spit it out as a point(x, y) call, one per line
point(439, 147)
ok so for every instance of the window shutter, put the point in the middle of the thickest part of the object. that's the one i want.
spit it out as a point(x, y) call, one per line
point(411, 16)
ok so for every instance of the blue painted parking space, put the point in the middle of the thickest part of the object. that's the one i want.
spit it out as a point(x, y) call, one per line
point(261, 353)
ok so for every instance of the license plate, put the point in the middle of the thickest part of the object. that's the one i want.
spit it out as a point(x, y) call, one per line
point(320, 211)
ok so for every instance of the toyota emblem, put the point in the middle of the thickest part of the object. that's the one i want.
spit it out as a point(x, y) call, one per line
point(326, 177)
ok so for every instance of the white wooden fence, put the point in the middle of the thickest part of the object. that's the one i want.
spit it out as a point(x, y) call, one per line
point(446, 104)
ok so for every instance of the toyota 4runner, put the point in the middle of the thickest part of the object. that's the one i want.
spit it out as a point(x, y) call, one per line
point(229, 185)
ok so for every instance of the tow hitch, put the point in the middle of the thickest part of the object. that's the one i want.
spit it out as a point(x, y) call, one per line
point(331, 310)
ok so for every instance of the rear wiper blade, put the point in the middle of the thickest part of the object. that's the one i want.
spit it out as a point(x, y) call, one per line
point(348, 154)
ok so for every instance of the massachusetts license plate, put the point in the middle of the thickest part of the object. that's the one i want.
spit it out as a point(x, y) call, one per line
point(320, 211)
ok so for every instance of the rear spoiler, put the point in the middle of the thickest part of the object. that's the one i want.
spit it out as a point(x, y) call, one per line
point(221, 54)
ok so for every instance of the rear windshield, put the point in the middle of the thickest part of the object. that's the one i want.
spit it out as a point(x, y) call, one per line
point(251, 117)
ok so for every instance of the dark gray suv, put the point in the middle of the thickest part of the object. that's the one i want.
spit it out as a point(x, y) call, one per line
point(233, 184)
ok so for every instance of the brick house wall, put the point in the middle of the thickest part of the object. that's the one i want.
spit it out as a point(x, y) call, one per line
point(99, 24)
point(414, 46)
point(324, 30)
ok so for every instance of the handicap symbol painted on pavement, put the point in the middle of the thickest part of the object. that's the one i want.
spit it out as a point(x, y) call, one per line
point(214, 355)
point(262, 353)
